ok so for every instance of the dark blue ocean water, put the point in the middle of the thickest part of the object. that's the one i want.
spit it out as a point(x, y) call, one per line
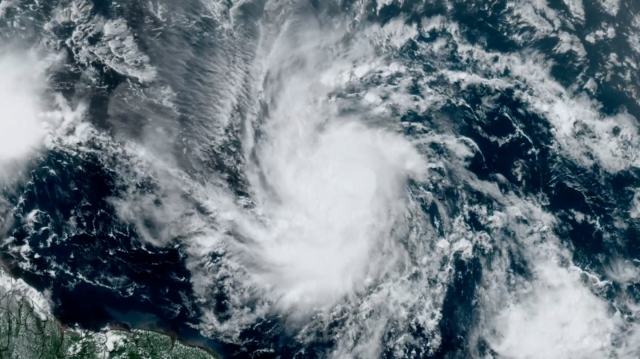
point(99, 271)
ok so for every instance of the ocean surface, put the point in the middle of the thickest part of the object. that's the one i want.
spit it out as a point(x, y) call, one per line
point(329, 179)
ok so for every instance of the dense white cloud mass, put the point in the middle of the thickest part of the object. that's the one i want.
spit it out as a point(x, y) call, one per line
point(556, 317)
point(21, 85)
point(332, 226)
point(355, 178)
point(333, 201)
point(332, 189)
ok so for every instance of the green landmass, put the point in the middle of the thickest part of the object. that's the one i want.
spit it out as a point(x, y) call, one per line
point(28, 331)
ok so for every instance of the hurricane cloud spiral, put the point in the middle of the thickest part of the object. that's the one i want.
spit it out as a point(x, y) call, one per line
point(331, 191)
point(335, 179)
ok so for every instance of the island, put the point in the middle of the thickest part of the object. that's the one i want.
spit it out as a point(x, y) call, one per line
point(29, 330)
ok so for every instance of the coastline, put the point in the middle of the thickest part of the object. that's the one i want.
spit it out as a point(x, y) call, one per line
point(122, 327)
point(114, 327)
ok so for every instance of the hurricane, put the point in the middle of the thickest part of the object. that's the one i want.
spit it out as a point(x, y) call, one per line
point(328, 179)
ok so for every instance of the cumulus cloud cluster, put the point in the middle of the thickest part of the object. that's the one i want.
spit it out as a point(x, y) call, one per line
point(21, 85)
point(330, 210)
point(332, 188)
